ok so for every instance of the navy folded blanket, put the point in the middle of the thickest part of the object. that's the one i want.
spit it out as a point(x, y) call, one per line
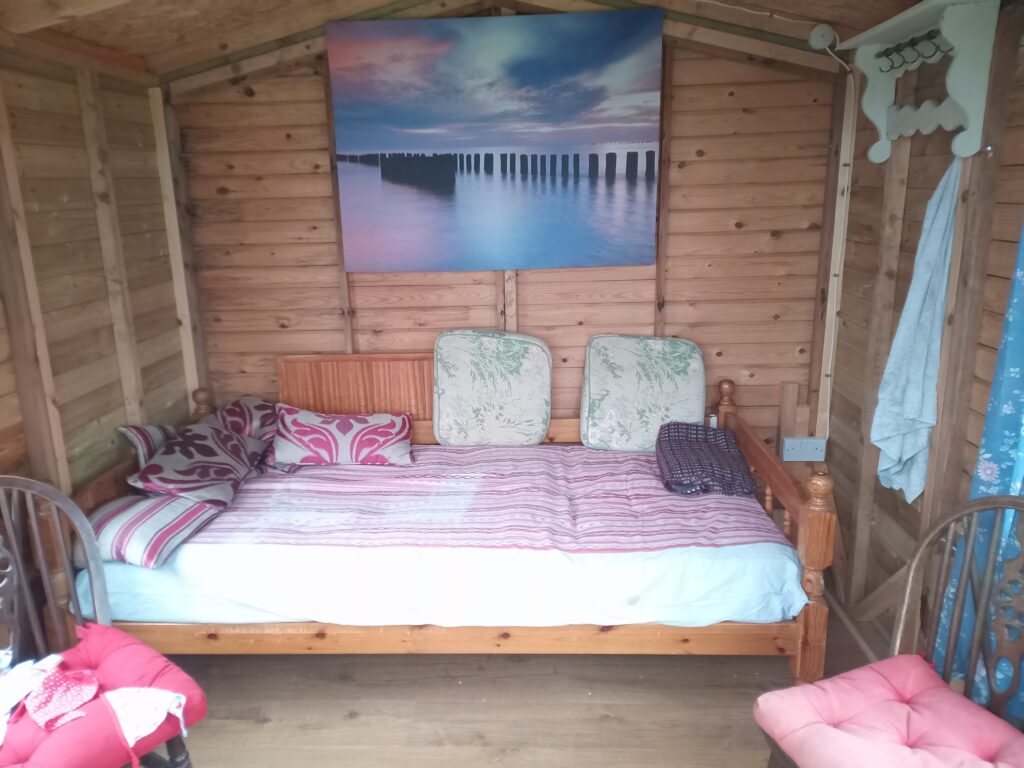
point(695, 459)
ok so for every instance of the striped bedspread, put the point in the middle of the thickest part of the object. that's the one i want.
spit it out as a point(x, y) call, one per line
point(552, 497)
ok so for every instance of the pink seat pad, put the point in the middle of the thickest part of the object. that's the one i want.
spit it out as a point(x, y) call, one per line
point(896, 713)
point(94, 741)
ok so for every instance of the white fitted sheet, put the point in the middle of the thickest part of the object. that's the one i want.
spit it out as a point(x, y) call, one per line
point(693, 586)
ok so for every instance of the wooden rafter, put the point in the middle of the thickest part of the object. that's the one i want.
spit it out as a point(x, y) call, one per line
point(21, 16)
point(111, 244)
point(179, 242)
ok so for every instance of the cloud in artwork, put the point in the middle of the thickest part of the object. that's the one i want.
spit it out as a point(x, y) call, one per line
point(433, 85)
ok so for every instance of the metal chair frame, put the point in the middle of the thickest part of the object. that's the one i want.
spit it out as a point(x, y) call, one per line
point(1008, 594)
point(24, 505)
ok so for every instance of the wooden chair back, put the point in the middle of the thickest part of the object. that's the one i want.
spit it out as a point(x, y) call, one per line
point(996, 593)
point(40, 529)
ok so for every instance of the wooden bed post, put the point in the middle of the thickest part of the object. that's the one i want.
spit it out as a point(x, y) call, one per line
point(204, 404)
point(815, 535)
point(726, 405)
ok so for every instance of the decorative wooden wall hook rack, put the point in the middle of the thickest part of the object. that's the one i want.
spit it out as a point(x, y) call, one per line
point(925, 34)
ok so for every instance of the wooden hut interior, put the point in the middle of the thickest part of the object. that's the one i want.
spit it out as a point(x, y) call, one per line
point(797, 288)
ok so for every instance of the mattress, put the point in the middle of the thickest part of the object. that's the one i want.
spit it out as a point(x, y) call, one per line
point(527, 536)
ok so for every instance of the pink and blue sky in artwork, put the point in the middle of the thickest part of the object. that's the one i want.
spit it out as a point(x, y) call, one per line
point(511, 119)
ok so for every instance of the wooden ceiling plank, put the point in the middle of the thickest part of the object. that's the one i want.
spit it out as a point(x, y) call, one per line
point(240, 70)
point(22, 16)
point(683, 31)
point(288, 50)
point(31, 48)
point(228, 44)
point(102, 53)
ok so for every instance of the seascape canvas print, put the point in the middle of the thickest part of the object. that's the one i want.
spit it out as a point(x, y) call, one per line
point(491, 143)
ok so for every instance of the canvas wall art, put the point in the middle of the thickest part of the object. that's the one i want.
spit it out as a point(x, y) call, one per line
point(515, 142)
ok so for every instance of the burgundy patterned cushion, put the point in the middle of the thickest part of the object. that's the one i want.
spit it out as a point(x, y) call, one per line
point(202, 463)
point(304, 437)
point(147, 439)
point(145, 530)
point(248, 416)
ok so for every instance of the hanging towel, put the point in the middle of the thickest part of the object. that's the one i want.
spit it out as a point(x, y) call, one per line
point(907, 398)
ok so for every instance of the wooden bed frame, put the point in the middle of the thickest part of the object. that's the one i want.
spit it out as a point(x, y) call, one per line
point(366, 383)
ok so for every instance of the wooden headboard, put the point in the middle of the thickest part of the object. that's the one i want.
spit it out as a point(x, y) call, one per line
point(377, 383)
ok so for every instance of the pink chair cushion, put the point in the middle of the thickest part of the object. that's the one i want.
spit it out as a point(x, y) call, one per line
point(896, 713)
point(95, 741)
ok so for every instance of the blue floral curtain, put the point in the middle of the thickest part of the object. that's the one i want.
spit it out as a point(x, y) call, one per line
point(999, 471)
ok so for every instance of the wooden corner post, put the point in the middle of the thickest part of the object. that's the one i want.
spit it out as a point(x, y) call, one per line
point(815, 535)
point(726, 403)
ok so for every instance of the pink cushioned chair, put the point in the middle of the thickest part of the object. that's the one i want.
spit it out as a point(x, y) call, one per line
point(900, 712)
point(30, 510)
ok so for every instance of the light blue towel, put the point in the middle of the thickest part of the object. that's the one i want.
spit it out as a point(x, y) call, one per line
point(907, 398)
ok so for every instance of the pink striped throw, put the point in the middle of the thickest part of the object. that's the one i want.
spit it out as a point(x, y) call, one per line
point(143, 530)
point(567, 498)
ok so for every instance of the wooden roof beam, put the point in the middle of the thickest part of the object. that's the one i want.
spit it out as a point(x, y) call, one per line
point(22, 16)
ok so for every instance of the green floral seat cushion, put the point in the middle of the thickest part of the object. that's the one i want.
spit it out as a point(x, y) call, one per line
point(491, 388)
point(634, 384)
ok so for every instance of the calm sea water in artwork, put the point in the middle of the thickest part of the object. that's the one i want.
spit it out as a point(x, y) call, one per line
point(495, 220)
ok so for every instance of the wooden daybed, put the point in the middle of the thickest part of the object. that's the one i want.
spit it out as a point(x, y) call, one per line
point(361, 383)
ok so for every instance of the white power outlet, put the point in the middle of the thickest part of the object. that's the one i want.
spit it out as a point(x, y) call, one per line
point(803, 448)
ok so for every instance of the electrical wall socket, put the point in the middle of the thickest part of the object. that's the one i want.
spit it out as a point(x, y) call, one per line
point(803, 448)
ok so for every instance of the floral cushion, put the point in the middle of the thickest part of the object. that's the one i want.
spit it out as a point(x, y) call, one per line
point(202, 463)
point(305, 437)
point(147, 439)
point(145, 530)
point(248, 416)
point(491, 388)
point(634, 384)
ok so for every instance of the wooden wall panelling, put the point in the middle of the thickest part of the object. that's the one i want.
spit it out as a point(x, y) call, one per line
point(28, 354)
point(749, 155)
point(173, 193)
point(97, 149)
point(54, 170)
point(94, 227)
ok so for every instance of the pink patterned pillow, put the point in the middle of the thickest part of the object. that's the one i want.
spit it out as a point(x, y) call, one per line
point(144, 530)
point(202, 463)
point(147, 440)
point(304, 437)
point(248, 416)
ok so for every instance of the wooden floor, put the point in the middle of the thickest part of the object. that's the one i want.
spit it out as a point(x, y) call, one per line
point(537, 711)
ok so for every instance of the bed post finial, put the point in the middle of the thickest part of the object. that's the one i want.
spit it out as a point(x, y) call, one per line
point(204, 404)
point(819, 488)
point(726, 404)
